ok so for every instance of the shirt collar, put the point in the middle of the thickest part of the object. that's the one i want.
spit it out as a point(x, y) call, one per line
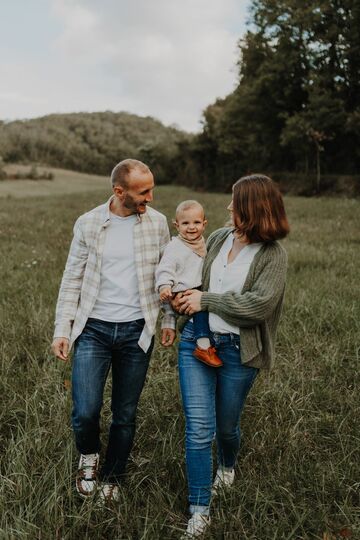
point(108, 213)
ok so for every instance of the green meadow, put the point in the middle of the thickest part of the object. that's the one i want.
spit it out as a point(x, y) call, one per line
point(298, 473)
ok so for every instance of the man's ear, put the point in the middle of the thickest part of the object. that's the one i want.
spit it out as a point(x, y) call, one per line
point(119, 192)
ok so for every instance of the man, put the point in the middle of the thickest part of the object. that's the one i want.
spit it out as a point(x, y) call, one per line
point(108, 307)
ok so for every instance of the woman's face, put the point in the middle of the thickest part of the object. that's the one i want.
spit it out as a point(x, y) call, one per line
point(231, 211)
point(235, 220)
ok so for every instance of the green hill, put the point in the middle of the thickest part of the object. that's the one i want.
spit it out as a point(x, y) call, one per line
point(91, 142)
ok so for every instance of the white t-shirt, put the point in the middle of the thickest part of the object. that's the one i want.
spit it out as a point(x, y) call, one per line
point(226, 276)
point(118, 298)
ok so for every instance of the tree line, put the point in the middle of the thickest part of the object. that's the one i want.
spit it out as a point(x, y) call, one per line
point(294, 113)
point(296, 107)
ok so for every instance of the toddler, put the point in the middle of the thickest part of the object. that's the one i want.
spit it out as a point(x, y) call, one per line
point(180, 269)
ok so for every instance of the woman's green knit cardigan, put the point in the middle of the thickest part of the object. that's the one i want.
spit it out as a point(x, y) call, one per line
point(256, 308)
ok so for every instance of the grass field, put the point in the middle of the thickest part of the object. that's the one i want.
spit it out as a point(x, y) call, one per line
point(64, 183)
point(298, 475)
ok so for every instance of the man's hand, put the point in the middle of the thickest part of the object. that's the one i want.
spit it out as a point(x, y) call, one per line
point(165, 293)
point(190, 302)
point(60, 347)
point(167, 336)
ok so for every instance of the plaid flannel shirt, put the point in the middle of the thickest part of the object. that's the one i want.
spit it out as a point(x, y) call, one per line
point(80, 283)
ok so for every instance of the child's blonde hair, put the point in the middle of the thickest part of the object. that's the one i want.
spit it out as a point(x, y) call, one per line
point(185, 205)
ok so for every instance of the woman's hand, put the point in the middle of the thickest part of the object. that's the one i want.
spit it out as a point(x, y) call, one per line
point(190, 302)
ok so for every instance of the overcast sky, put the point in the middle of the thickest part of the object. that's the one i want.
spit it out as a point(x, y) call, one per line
point(164, 58)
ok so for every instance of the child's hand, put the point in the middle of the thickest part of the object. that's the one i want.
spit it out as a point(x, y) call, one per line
point(165, 293)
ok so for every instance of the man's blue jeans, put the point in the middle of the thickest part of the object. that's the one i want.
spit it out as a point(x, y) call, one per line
point(101, 346)
point(213, 400)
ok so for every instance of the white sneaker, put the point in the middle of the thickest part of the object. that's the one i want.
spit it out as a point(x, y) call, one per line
point(196, 526)
point(87, 474)
point(109, 493)
point(223, 479)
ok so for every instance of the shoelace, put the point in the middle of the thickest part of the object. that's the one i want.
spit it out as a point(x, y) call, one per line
point(109, 492)
point(89, 462)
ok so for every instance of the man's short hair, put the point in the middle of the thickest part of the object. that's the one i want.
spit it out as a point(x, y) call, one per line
point(120, 173)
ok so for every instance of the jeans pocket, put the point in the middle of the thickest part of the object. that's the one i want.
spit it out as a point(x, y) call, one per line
point(139, 323)
point(93, 327)
point(235, 341)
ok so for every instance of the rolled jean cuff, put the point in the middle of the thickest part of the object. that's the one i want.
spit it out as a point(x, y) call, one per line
point(199, 509)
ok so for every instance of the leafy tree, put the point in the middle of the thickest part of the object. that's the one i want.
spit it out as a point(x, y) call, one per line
point(296, 106)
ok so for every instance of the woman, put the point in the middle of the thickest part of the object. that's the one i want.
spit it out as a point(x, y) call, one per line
point(244, 274)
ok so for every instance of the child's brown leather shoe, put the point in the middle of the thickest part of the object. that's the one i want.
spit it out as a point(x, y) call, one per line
point(208, 356)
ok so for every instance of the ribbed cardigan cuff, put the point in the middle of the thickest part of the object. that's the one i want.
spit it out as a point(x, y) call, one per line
point(209, 302)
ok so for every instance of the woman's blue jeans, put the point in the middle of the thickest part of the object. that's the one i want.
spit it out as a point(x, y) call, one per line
point(213, 399)
point(101, 346)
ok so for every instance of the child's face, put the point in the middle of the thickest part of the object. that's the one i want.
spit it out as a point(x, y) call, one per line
point(191, 223)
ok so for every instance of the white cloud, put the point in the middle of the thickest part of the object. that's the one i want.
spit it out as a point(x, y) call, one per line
point(166, 58)
point(163, 58)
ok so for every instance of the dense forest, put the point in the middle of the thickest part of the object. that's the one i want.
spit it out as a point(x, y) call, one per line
point(296, 107)
point(295, 112)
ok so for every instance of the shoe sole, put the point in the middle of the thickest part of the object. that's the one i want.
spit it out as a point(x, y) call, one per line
point(206, 363)
point(86, 495)
point(83, 496)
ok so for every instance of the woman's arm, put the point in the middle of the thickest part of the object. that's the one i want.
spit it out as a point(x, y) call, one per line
point(251, 307)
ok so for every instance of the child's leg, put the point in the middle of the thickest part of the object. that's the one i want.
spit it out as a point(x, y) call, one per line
point(203, 350)
point(202, 329)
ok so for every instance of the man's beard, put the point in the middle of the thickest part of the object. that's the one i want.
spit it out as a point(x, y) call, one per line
point(131, 205)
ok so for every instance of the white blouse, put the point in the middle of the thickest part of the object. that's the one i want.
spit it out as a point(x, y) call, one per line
point(226, 276)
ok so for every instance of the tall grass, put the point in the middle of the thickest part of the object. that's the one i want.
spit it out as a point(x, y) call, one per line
point(298, 470)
